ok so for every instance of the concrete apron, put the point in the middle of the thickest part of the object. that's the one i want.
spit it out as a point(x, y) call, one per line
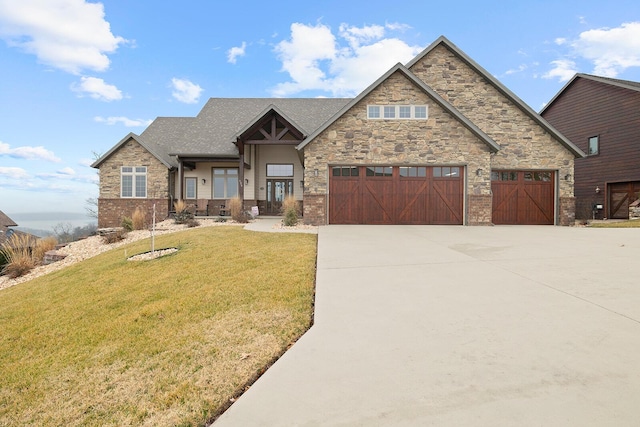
point(432, 325)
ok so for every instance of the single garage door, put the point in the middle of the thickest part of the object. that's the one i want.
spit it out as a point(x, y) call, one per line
point(621, 194)
point(523, 197)
point(396, 195)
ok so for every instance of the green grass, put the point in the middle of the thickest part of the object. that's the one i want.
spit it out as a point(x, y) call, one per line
point(635, 223)
point(161, 342)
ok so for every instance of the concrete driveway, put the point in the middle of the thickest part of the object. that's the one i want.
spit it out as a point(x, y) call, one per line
point(454, 326)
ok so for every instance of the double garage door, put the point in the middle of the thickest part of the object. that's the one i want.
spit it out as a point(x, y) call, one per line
point(434, 195)
point(396, 195)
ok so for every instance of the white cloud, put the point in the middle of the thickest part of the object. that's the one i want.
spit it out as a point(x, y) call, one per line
point(11, 172)
point(563, 70)
point(71, 35)
point(127, 122)
point(185, 91)
point(521, 68)
point(67, 171)
point(315, 59)
point(28, 153)
point(97, 89)
point(235, 52)
point(609, 50)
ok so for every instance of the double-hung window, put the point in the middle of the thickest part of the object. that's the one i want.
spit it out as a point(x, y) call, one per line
point(133, 181)
point(225, 183)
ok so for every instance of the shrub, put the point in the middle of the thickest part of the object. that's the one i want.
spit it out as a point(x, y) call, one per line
point(139, 219)
point(17, 252)
point(127, 223)
point(182, 214)
point(43, 246)
point(236, 206)
point(291, 211)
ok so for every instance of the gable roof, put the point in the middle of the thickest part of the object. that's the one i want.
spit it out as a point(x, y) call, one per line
point(625, 84)
point(442, 40)
point(149, 147)
point(222, 120)
point(493, 146)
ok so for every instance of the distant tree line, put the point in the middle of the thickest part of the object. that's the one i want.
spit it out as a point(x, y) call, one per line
point(66, 233)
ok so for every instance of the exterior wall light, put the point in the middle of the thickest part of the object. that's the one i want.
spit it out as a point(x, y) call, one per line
point(478, 172)
point(597, 190)
point(204, 181)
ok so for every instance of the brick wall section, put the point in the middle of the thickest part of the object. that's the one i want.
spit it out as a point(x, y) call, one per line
point(112, 211)
point(482, 208)
point(314, 209)
point(355, 140)
point(111, 208)
point(567, 211)
point(525, 145)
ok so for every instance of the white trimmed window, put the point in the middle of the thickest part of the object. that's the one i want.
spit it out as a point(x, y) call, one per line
point(279, 170)
point(133, 181)
point(403, 112)
point(190, 188)
point(225, 183)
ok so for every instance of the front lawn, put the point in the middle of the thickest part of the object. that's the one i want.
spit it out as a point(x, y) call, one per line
point(161, 342)
point(634, 223)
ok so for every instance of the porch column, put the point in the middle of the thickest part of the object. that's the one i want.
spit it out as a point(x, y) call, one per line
point(180, 179)
point(240, 145)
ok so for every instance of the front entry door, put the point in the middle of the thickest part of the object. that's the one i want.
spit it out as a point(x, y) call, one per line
point(277, 190)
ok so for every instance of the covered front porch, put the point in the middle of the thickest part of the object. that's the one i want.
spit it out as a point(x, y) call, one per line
point(266, 169)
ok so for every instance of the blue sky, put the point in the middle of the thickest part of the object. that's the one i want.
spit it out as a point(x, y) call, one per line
point(77, 76)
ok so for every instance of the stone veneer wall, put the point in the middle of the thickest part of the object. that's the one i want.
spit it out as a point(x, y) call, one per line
point(355, 140)
point(112, 208)
point(525, 144)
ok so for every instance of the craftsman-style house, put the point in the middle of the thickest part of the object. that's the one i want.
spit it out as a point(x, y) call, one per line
point(601, 116)
point(436, 141)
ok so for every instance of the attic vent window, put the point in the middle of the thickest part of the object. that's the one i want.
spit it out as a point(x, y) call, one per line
point(397, 112)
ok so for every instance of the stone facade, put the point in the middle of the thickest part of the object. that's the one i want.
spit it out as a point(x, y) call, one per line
point(525, 144)
point(355, 140)
point(112, 208)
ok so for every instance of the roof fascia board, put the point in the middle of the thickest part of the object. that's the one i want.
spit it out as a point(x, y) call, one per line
point(430, 92)
point(116, 147)
point(502, 89)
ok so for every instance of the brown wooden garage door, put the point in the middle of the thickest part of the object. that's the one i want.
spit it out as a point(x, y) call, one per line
point(395, 195)
point(621, 194)
point(523, 197)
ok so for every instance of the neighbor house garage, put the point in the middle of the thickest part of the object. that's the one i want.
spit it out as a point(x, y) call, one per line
point(436, 141)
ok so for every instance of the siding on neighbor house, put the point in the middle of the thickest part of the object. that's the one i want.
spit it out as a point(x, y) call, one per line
point(355, 140)
point(524, 143)
point(111, 206)
point(589, 108)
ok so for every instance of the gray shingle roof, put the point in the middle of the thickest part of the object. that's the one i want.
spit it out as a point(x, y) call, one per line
point(215, 129)
point(221, 120)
